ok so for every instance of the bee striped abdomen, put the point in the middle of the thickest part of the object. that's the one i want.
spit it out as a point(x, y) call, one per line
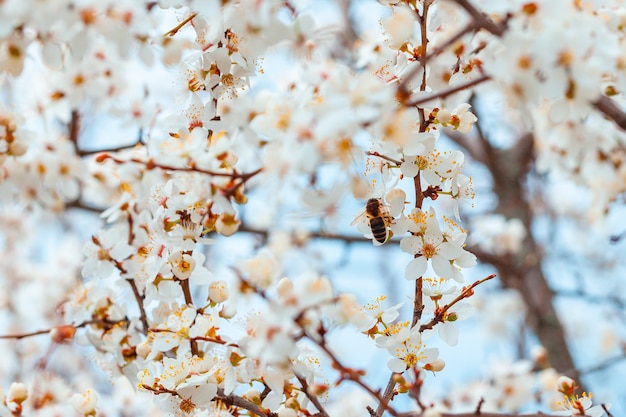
point(379, 229)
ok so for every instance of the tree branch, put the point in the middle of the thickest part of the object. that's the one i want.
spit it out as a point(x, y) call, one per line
point(313, 398)
point(480, 19)
point(466, 293)
point(611, 110)
point(108, 323)
point(139, 298)
point(448, 92)
point(237, 401)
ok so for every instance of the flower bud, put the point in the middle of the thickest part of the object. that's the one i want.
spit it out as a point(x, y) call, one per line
point(228, 311)
point(435, 366)
point(286, 412)
point(318, 389)
point(61, 334)
point(218, 292)
point(252, 395)
point(292, 403)
point(227, 224)
point(285, 289)
point(143, 349)
point(18, 392)
point(566, 385)
point(444, 116)
point(540, 356)
point(452, 317)
point(18, 148)
point(85, 403)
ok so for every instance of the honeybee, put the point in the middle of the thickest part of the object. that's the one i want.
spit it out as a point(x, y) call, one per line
point(378, 217)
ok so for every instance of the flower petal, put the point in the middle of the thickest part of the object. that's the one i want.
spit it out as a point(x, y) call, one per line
point(416, 268)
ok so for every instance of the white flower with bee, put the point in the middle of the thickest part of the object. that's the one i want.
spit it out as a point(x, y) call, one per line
point(376, 219)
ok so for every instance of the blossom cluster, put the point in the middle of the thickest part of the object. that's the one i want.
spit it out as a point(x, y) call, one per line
point(152, 300)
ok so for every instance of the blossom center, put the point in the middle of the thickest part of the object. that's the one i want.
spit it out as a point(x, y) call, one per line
point(429, 250)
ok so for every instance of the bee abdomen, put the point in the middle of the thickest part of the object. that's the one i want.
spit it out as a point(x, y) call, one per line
point(379, 229)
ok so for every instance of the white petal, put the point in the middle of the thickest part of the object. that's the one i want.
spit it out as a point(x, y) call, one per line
point(450, 251)
point(449, 333)
point(409, 169)
point(416, 268)
point(411, 244)
point(442, 267)
point(467, 260)
point(396, 365)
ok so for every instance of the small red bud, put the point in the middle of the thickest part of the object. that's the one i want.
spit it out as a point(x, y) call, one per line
point(62, 333)
point(102, 157)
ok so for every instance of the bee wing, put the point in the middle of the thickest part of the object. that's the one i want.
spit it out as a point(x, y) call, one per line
point(361, 218)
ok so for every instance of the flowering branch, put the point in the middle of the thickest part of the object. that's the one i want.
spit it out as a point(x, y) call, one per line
point(152, 164)
point(352, 375)
point(237, 401)
point(104, 323)
point(440, 313)
point(73, 128)
point(472, 414)
point(139, 298)
point(111, 149)
point(385, 157)
point(402, 87)
point(179, 26)
point(311, 396)
point(480, 19)
point(611, 110)
point(449, 92)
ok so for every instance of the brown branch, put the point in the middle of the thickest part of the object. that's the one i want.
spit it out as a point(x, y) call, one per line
point(73, 128)
point(349, 239)
point(448, 92)
point(418, 302)
point(474, 414)
point(152, 164)
point(184, 285)
point(480, 19)
point(313, 398)
point(111, 149)
point(385, 157)
point(602, 365)
point(611, 110)
point(179, 26)
point(24, 335)
point(237, 401)
point(352, 375)
point(402, 87)
point(78, 204)
point(139, 298)
point(441, 312)
point(109, 323)
point(230, 400)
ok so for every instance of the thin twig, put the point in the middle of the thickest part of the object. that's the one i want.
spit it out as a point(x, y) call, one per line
point(179, 26)
point(78, 326)
point(440, 313)
point(402, 87)
point(480, 19)
point(152, 164)
point(385, 157)
point(111, 149)
point(237, 401)
point(351, 375)
point(73, 128)
point(313, 398)
point(611, 110)
point(139, 298)
point(448, 92)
